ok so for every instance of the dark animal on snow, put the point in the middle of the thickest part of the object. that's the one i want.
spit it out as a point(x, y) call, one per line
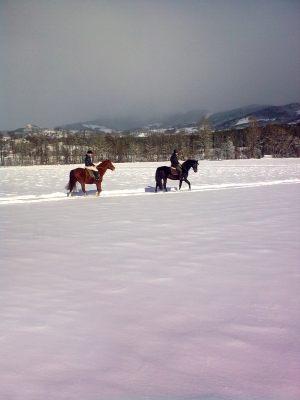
point(164, 173)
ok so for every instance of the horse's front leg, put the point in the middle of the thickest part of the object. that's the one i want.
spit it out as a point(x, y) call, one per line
point(188, 182)
point(98, 184)
point(180, 183)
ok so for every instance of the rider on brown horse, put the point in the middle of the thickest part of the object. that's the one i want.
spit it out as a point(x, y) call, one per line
point(88, 162)
point(175, 163)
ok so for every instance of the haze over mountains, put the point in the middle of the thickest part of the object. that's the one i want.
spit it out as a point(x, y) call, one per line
point(236, 118)
point(232, 119)
point(75, 61)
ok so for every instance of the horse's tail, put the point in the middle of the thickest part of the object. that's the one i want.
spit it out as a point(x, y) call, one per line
point(158, 179)
point(72, 182)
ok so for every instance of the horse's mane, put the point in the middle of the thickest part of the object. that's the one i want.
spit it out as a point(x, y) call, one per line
point(189, 162)
point(103, 163)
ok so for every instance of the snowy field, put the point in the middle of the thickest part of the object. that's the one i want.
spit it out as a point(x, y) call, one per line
point(144, 296)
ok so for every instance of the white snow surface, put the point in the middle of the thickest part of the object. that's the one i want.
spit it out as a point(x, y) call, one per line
point(246, 120)
point(243, 121)
point(136, 295)
point(102, 128)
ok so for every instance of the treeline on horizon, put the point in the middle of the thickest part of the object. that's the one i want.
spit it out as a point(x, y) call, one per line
point(64, 147)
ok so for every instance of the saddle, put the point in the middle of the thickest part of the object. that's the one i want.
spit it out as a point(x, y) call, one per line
point(89, 172)
point(174, 171)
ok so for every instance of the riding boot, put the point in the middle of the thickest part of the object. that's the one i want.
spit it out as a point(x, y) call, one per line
point(96, 174)
point(180, 173)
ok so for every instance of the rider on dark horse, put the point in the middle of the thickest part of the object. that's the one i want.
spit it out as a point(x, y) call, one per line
point(88, 162)
point(175, 163)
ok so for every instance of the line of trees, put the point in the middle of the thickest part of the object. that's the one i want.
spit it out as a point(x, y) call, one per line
point(70, 148)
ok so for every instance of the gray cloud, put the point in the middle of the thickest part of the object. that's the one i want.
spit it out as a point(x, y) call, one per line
point(70, 60)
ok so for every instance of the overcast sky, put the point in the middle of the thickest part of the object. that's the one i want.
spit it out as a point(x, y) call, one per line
point(76, 60)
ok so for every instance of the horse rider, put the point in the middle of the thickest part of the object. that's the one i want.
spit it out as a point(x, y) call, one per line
point(88, 162)
point(175, 163)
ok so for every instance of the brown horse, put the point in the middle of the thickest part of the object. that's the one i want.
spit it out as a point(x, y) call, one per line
point(83, 176)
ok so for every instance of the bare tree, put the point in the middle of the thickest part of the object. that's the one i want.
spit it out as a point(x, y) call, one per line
point(253, 138)
point(206, 134)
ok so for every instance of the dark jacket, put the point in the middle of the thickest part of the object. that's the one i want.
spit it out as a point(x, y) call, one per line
point(88, 161)
point(174, 160)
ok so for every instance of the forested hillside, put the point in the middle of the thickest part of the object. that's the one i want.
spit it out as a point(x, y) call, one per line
point(66, 147)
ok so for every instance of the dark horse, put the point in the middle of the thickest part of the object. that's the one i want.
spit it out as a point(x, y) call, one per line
point(83, 176)
point(164, 173)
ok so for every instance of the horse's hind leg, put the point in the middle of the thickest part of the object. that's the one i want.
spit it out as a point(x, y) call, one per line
point(72, 183)
point(83, 189)
point(158, 185)
point(165, 185)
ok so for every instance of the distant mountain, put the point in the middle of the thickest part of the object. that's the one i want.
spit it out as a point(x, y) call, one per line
point(233, 119)
point(222, 118)
point(29, 128)
point(131, 123)
point(239, 117)
point(112, 124)
point(181, 120)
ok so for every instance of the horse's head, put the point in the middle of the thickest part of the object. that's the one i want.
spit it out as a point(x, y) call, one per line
point(186, 165)
point(195, 165)
point(110, 165)
point(106, 164)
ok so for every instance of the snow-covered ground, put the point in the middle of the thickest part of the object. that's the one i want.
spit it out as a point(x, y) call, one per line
point(137, 295)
